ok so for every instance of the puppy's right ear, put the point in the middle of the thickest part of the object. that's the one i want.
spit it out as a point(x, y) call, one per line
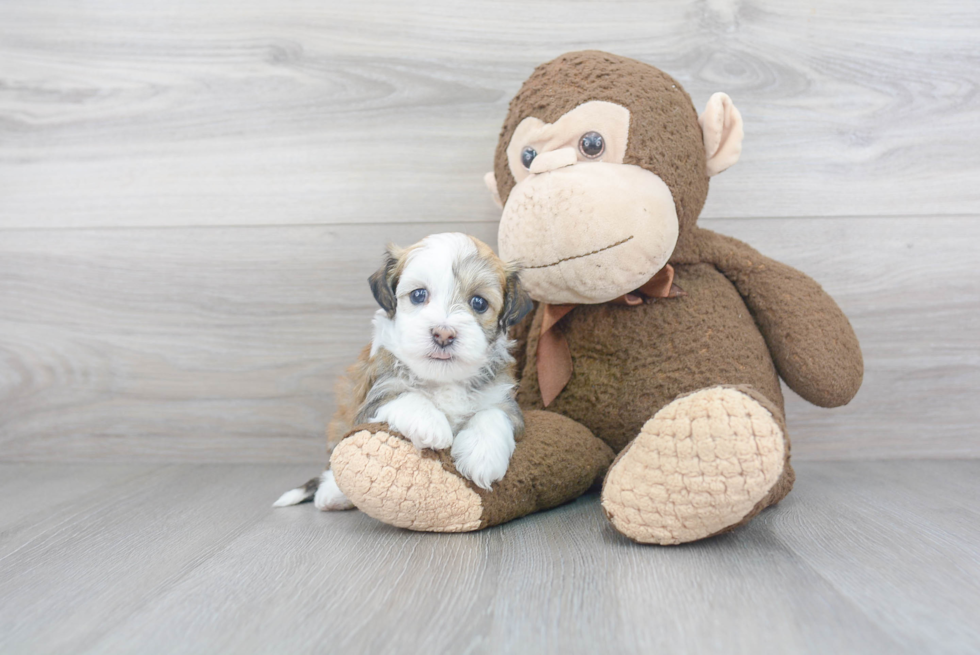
point(517, 302)
point(383, 283)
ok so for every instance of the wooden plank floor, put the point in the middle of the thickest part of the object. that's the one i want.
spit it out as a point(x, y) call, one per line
point(863, 557)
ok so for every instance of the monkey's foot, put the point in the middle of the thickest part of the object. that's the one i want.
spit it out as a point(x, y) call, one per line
point(389, 479)
point(704, 464)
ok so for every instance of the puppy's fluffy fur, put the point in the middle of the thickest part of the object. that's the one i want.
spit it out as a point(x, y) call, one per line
point(438, 369)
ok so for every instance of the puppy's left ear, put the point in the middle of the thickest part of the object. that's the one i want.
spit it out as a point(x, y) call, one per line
point(517, 303)
point(384, 280)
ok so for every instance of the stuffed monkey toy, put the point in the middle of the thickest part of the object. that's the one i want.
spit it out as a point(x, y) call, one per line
point(651, 363)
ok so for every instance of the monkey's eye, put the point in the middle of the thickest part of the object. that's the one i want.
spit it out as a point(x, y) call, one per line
point(479, 304)
point(418, 296)
point(591, 144)
point(528, 155)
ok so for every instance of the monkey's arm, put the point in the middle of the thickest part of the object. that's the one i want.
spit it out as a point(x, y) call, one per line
point(812, 343)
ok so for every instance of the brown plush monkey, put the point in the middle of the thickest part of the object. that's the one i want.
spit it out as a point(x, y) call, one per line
point(653, 338)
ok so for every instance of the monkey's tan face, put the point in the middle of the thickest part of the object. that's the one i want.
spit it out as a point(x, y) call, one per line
point(586, 227)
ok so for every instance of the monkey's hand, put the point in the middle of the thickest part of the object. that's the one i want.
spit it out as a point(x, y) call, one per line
point(812, 343)
point(414, 415)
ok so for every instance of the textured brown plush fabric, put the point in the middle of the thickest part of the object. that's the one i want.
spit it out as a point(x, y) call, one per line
point(628, 362)
point(387, 478)
point(664, 135)
point(558, 460)
point(554, 360)
point(812, 343)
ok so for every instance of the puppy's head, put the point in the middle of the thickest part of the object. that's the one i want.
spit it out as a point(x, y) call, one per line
point(446, 304)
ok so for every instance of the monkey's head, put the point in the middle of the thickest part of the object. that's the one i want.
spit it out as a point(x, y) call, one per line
point(602, 169)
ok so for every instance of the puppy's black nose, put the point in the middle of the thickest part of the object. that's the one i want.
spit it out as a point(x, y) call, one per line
point(443, 335)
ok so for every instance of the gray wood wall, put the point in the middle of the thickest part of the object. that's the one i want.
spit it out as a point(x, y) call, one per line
point(192, 195)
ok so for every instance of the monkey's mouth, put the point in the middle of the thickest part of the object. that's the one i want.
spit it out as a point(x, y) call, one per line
point(586, 254)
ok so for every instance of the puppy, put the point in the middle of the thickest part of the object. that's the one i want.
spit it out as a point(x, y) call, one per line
point(438, 369)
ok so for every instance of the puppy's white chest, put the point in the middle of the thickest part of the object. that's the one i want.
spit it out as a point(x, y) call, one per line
point(455, 401)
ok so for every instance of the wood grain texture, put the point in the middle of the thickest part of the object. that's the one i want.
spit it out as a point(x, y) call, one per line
point(259, 112)
point(222, 344)
point(39, 498)
point(862, 557)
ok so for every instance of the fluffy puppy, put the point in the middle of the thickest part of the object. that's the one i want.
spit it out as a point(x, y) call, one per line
point(438, 369)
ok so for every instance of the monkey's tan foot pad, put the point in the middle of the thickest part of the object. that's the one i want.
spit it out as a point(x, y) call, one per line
point(701, 465)
point(387, 478)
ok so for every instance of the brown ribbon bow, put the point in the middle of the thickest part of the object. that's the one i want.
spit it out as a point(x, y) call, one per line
point(554, 357)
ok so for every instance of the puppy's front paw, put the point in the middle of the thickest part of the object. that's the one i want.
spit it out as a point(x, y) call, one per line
point(435, 435)
point(482, 450)
point(419, 420)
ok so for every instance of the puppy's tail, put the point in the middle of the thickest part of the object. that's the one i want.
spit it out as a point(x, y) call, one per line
point(300, 494)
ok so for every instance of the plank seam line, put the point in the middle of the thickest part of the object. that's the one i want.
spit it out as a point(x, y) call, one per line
point(395, 224)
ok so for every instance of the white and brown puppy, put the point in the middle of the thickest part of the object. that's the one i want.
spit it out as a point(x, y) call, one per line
point(438, 369)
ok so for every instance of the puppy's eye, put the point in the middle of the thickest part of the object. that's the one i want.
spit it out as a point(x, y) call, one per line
point(528, 155)
point(591, 144)
point(418, 296)
point(479, 304)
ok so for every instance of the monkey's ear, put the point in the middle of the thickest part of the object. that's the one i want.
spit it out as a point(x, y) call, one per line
point(517, 303)
point(491, 181)
point(383, 282)
point(721, 124)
